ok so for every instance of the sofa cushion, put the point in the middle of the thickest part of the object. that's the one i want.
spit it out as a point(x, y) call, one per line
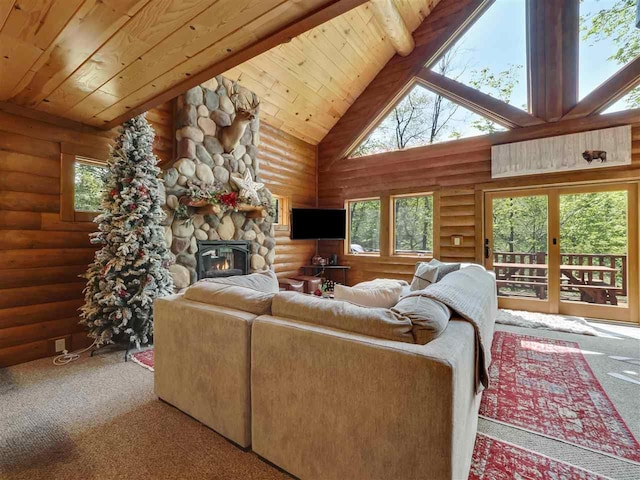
point(429, 317)
point(380, 294)
point(374, 322)
point(382, 282)
point(265, 282)
point(250, 293)
point(425, 275)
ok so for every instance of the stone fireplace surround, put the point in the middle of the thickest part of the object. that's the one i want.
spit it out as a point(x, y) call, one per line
point(201, 114)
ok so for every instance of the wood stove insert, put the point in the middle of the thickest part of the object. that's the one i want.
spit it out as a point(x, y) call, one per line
point(220, 258)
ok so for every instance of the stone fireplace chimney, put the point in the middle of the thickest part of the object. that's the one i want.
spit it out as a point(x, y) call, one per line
point(201, 114)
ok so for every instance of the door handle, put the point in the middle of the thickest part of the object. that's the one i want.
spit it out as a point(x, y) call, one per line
point(555, 241)
point(487, 250)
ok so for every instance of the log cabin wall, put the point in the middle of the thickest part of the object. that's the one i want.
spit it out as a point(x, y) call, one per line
point(161, 119)
point(458, 172)
point(40, 255)
point(288, 167)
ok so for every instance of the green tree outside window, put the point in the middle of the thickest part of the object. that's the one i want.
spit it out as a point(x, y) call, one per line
point(413, 224)
point(89, 181)
point(364, 228)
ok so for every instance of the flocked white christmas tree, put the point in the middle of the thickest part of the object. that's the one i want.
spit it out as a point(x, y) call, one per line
point(130, 270)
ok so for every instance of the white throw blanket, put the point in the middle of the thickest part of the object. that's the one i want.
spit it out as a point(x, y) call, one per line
point(471, 293)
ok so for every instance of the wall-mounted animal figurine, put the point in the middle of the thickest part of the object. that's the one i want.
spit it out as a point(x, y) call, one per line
point(245, 113)
point(591, 155)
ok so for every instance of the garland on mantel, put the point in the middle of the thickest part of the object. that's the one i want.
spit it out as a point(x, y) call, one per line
point(214, 198)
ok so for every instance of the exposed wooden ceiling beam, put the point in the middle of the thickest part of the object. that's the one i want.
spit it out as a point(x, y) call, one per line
point(56, 120)
point(448, 20)
point(608, 92)
point(552, 41)
point(477, 101)
point(388, 17)
point(284, 35)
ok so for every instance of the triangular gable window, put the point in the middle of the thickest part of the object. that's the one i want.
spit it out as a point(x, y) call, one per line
point(491, 56)
point(423, 118)
point(630, 100)
point(609, 40)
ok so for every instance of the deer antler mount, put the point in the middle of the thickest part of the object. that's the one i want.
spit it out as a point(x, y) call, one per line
point(247, 107)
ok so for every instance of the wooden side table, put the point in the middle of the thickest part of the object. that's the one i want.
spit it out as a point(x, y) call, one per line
point(291, 284)
point(319, 270)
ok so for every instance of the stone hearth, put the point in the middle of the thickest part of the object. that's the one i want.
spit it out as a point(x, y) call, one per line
point(201, 114)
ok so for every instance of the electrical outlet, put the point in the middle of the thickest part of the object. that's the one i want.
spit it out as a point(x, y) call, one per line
point(456, 240)
point(60, 345)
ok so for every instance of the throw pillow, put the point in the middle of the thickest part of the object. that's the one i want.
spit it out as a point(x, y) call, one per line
point(428, 317)
point(425, 275)
point(369, 296)
point(444, 268)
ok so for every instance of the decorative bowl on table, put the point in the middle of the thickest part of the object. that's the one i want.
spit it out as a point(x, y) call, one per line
point(319, 261)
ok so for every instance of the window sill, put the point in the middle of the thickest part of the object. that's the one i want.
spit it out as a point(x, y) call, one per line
point(359, 255)
point(82, 216)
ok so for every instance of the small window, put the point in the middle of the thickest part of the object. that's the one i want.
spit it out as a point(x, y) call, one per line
point(89, 181)
point(82, 181)
point(413, 225)
point(364, 226)
point(280, 210)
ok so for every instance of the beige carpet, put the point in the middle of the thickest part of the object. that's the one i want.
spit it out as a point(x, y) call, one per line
point(98, 418)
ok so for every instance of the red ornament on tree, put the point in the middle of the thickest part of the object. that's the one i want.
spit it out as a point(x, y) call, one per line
point(113, 192)
point(132, 206)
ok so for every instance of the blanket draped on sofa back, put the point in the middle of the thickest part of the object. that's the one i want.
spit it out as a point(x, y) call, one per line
point(471, 293)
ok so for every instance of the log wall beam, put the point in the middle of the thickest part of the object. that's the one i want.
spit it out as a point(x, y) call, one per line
point(393, 25)
point(477, 101)
point(609, 92)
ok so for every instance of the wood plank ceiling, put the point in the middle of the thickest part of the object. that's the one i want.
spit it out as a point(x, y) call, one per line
point(95, 61)
point(306, 85)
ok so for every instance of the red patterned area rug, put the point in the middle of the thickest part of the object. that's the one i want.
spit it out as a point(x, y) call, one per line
point(497, 460)
point(546, 386)
point(144, 359)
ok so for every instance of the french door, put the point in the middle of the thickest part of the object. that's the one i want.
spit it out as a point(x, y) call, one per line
point(568, 250)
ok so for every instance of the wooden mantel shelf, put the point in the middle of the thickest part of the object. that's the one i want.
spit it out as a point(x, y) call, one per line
point(252, 211)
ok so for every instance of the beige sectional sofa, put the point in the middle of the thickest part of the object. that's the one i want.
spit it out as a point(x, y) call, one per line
point(320, 401)
point(203, 363)
point(327, 404)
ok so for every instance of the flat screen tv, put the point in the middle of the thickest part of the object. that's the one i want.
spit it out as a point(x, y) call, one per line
point(318, 223)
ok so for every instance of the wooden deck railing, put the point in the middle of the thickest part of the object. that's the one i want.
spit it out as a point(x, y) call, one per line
point(538, 275)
